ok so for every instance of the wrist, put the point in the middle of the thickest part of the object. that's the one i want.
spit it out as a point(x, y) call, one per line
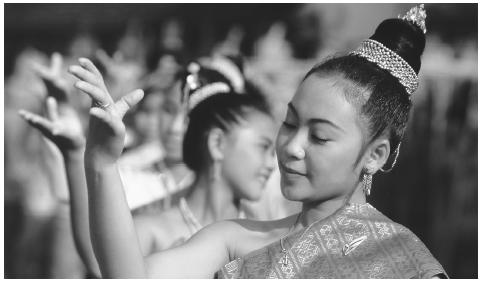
point(98, 162)
point(74, 154)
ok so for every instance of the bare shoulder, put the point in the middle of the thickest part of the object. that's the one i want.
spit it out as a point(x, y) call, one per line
point(243, 236)
point(164, 219)
point(162, 229)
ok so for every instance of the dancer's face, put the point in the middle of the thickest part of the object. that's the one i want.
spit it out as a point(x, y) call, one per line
point(319, 143)
point(249, 155)
point(173, 124)
point(147, 119)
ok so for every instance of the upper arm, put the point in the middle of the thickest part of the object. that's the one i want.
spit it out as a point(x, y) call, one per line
point(200, 257)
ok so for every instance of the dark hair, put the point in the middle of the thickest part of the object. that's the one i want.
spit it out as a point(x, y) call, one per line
point(221, 111)
point(383, 101)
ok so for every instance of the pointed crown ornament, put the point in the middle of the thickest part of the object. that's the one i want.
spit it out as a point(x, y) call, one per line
point(416, 15)
point(387, 59)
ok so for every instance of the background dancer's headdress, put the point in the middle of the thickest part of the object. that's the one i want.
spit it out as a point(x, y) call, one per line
point(229, 79)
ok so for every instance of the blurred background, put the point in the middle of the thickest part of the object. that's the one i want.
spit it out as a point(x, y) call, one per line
point(432, 190)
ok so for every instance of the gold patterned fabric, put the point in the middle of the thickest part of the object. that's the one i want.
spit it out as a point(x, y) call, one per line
point(357, 241)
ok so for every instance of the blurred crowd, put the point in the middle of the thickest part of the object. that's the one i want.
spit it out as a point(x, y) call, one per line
point(433, 191)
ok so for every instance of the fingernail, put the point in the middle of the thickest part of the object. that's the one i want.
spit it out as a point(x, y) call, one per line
point(71, 69)
point(82, 60)
point(139, 93)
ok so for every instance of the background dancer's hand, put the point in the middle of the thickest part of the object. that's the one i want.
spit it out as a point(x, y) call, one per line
point(105, 138)
point(62, 126)
point(54, 78)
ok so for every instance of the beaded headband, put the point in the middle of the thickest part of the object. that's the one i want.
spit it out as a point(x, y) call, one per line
point(207, 91)
point(226, 67)
point(387, 59)
point(200, 93)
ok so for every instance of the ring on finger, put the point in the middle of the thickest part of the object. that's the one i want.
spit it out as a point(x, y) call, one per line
point(100, 105)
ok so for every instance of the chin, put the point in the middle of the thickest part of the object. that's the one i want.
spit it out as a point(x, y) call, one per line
point(290, 192)
point(253, 194)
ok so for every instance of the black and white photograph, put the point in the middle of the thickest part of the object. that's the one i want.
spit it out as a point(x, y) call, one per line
point(240, 140)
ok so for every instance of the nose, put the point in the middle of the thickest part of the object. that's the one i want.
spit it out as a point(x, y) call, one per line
point(295, 145)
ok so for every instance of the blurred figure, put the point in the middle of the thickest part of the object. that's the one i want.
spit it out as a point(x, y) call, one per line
point(33, 210)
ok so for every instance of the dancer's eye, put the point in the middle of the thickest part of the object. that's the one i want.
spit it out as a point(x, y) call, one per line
point(319, 140)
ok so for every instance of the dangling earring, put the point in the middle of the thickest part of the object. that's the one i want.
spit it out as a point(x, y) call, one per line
point(367, 183)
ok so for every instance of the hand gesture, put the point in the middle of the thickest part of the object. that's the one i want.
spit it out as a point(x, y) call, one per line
point(105, 139)
point(57, 86)
point(63, 127)
point(115, 66)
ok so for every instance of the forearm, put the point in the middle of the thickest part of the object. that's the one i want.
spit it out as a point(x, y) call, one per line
point(79, 210)
point(53, 166)
point(111, 226)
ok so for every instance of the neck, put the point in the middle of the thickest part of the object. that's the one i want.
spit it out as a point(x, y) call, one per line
point(173, 163)
point(212, 200)
point(177, 168)
point(314, 211)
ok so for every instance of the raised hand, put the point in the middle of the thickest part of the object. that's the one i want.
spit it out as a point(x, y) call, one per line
point(114, 66)
point(105, 139)
point(62, 127)
point(53, 77)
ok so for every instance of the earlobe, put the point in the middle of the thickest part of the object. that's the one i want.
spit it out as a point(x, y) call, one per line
point(215, 144)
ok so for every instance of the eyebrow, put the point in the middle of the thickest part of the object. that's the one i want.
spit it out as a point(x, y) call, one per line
point(315, 120)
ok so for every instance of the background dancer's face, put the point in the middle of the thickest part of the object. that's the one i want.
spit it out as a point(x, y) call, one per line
point(172, 124)
point(319, 143)
point(248, 155)
point(147, 117)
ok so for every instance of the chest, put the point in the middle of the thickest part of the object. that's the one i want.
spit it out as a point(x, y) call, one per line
point(249, 241)
point(325, 253)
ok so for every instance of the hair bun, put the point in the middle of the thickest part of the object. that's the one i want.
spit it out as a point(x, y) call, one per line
point(404, 38)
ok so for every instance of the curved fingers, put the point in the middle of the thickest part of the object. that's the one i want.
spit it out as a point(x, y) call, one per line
point(86, 63)
point(86, 75)
point(42, 124)
point(97, 94)
point(56, 63)
point(52, 109)
point(42, 71)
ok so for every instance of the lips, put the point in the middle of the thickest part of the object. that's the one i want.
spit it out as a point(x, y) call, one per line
point(288, 170)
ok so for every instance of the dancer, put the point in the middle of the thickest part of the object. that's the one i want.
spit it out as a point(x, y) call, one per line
point(345, 121)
